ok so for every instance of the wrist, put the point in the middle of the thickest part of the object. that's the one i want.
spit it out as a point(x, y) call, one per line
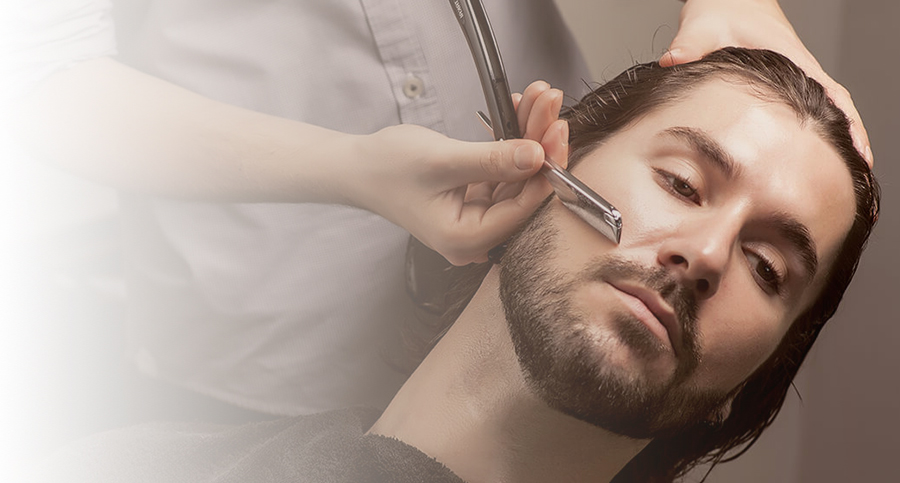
point(353, 165)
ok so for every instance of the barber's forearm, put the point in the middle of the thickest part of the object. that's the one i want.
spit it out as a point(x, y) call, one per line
point(117, 126)
point(123, 128)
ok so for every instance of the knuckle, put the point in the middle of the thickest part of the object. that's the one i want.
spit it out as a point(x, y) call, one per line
point(840, 90)
point(452, 240)
point(461, 249)
point(492, 164)
point(456, 259)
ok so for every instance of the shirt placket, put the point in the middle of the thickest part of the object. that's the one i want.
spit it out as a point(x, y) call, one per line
point(404, 63)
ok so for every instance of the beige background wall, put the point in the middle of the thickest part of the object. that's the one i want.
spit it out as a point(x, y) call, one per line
point(847, 427)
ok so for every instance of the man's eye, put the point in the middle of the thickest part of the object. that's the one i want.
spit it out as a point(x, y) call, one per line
point(765, 272)
point(679, 186)
point(683, 188)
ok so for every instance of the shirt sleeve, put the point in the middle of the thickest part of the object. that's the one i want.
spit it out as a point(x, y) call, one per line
point(40, 37)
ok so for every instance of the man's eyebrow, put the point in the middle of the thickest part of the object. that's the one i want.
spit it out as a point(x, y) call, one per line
point(798, 236)
point(706, 147)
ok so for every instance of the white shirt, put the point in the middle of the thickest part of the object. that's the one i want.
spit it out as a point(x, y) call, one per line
point(40, 37)
point(288, 308)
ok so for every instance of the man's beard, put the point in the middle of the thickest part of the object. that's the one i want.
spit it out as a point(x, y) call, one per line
point(561, 360)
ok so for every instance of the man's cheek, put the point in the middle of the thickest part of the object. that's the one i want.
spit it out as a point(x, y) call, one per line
point(731, 353)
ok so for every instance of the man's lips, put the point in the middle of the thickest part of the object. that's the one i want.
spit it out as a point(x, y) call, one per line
point(649, 304)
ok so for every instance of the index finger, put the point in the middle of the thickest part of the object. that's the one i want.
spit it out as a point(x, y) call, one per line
point(842, 100)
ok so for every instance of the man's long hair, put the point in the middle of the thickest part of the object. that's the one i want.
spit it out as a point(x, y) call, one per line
point(633, 94)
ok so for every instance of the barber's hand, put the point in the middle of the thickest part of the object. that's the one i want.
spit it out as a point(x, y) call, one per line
point(460, 198)
point(707, 25)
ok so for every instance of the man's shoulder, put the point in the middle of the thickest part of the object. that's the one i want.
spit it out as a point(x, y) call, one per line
point(384, 459)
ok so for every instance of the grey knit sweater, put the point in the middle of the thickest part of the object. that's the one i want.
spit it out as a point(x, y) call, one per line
point(323, 448)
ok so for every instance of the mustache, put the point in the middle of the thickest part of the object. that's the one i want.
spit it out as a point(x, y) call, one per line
point(682, 298)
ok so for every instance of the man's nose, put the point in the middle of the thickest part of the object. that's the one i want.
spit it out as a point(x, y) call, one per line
point(699, 254)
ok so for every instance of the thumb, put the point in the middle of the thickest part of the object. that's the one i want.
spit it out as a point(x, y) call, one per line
point(684, 48)
point(499, 161)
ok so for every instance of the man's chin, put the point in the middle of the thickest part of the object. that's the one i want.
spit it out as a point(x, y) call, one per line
point(645, 354)
point(616, 386)
point(627, 351)
point(624, 403)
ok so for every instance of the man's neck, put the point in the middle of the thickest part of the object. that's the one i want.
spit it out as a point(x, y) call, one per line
point(468, 406)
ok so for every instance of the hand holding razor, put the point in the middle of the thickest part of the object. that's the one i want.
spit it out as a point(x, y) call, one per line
point(502, 121)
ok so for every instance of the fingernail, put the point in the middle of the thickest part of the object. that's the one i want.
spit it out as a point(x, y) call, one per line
point(672, 54)
point(525, 156)
point(870, 158)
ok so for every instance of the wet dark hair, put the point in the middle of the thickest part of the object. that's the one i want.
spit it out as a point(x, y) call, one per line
point(646, 87)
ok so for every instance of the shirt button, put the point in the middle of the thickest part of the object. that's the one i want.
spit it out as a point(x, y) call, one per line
point(413, 87)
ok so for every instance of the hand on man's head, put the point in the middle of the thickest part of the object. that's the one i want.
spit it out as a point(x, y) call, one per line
point(708, 25)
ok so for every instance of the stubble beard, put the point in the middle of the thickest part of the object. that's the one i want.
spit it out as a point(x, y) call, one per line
point(561, 359)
